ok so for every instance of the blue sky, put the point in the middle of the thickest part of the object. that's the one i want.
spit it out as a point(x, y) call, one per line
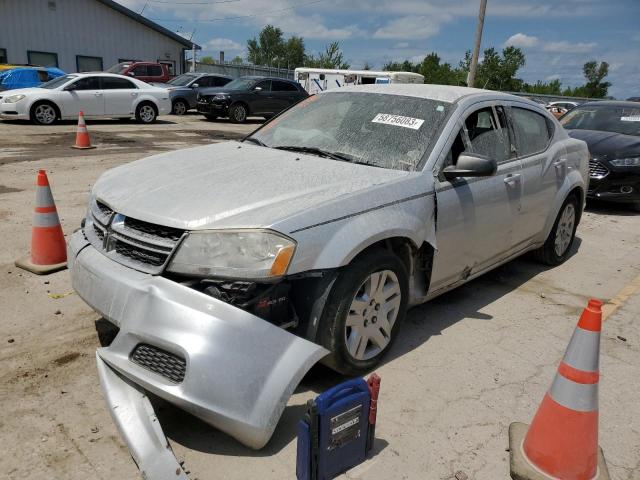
point(558, 36)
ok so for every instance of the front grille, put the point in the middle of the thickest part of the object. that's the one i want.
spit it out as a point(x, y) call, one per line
point(138, 244)
point(140, 254)
point(152, 229)
point(160, 361)
point(597, 169)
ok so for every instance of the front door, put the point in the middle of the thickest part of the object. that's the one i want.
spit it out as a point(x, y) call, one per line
point(119, 95)
point(475, 216)
point(85, 96)
point(262, 100)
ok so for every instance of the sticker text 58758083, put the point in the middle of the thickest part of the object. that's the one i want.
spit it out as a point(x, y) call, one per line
point(398, 121)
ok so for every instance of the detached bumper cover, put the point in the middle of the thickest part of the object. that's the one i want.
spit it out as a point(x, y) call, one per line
point(240, 369)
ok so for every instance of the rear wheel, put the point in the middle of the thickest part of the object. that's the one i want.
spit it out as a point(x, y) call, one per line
point(44, 113)
point(146, 113)
point(364, 310)
point(238, 113)
point(180, 107)
point(558, 244)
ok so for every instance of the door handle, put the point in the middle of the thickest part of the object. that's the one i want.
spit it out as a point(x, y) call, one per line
point(560, 163)
point(134, 94)
point(98, 94)
point(512, 179)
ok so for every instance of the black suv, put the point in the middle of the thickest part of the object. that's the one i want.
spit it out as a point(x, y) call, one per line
point(244, 96)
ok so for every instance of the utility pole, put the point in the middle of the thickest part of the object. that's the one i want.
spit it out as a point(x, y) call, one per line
point(193, 57)
point(471, 77)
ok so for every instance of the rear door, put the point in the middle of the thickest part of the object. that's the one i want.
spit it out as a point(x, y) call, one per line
point(476, 215)
point(85, 97)
point(139, 72)
point(119, 95)
point(285, 94)
point(544, 167)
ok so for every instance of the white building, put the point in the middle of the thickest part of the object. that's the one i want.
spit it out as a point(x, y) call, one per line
point(315, 80)
point(84, 35)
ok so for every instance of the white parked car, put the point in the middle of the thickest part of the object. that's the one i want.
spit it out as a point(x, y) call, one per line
point(95, 94)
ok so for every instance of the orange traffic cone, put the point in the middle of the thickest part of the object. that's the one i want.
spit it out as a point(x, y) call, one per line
point(48, 248)
point(82, 134)
point(562, 441)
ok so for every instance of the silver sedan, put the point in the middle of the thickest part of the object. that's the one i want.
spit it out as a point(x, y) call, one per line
point(231, 268)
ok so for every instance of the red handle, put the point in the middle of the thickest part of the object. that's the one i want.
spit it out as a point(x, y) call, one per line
point(374, 389)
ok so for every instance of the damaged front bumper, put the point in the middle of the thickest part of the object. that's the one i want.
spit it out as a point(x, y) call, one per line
point(226, 366)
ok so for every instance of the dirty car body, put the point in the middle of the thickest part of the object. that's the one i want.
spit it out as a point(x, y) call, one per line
point(230, 269)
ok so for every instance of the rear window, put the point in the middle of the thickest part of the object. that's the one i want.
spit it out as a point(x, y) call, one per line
point(532, 131)
point(118, 67)
point(154, 70)
point(279, 86)
point(110, 83)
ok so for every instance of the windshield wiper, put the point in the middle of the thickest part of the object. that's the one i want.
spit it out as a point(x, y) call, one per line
point(343, 157)
point(256, 141)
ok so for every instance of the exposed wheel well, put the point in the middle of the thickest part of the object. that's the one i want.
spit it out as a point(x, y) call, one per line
point(40, 102)
point(147, 102)
point(240, 102)
point(578, 192)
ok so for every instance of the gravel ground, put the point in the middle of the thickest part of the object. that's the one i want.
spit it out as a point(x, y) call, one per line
point(466, 365)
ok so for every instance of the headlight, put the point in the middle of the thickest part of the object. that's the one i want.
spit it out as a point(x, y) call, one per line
point(247, 254)
point(626, 162)
point(14, 98)
point(221, 96)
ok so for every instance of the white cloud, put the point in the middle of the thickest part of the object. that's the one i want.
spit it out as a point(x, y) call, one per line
point(412, 27)
point(568, 47)
point(521, 40)
point(401, 45)
point(225, 44)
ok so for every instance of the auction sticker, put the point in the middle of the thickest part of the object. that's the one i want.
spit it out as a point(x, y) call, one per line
point(632, 118)
point(398, 121)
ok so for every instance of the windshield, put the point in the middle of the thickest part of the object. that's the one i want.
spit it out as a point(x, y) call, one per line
point(56, 82)
point(388, 131)
point(182, 80)
point(608, 118)
point(240, 84)
point(118, 67)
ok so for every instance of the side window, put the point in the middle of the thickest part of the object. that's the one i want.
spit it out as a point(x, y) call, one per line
point(532, 131)
point(112, 83)
point(88, 83)
point(487, 136)
point(266, 85)
point(154, 71)
point(203, 82)
point(140, 71)
point(220, 81)
point(278, 86)
point(457, 148)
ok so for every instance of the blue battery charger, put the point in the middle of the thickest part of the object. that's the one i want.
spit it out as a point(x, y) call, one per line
point(335, 433)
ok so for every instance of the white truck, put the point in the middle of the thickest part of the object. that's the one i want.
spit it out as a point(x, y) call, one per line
point(315, 80)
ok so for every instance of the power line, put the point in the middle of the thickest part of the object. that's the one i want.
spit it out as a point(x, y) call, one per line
point(265, 14)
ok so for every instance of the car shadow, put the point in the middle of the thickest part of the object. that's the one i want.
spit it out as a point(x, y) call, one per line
point(422, 323)
point(248, 121)
point(609, 208)
point(105, 121)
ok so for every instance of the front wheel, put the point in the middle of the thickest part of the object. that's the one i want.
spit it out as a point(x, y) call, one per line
point(238, 113)
point(364, 310)
point(558, 244)
point(180, 107)
point(44, 114)
point(146, 113)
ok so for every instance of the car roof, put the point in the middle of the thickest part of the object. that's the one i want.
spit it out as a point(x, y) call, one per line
point(612, 103)
point(443, 93)
point(258, 77)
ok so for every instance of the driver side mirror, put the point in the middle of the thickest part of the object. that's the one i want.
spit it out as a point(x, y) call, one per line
point(131, 74)
point(257, 89)
point(471, 165)
point(70, 88)
point(194, 85)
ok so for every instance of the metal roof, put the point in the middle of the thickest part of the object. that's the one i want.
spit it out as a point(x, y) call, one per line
point(443, 93)
point(148, 23)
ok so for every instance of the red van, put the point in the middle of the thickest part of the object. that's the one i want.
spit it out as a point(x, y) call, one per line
point(145, 71)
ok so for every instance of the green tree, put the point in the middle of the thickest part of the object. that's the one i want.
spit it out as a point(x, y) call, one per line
point(207, 60)
point(553, 87)
point(366, 66)
point(294, 52)
point(269, 45)
point(595, 72)
point(439, 73)
point(498, 71)
point(237, 59)
point(332, 57)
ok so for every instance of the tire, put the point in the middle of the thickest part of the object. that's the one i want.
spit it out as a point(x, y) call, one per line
point(558, 244)
point(146, 113)
point(351, 303)
point(238, 113)
point(210, 117)
point(44, 113)
point(179, 107)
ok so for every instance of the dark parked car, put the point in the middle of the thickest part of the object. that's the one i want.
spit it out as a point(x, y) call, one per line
point(184, 89)
point(612, 132)
point(244, 96)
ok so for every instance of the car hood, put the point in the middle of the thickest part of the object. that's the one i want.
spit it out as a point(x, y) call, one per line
point(608, 145)
point(235, 185)
point(26, 91)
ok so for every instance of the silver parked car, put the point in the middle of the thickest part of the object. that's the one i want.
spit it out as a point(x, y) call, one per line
point(231, 268)
point(184, 89)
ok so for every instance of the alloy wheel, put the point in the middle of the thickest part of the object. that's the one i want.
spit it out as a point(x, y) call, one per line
point(147, 113)
point(564, 232)
point(239, 114)
point(45, 114)
point(179, 108)
point(372, 314)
